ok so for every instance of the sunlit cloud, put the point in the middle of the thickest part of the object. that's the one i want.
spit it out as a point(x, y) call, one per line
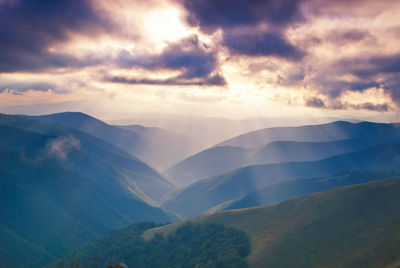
point(218, 56)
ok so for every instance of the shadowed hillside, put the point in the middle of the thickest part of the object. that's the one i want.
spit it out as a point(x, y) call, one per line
point(61, 188)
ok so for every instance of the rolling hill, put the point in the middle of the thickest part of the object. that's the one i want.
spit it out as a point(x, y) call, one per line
point(197, 198)
point(355, 226)
point(60, 188)
point(280, 192)
point(217, 160)
point(152, 145)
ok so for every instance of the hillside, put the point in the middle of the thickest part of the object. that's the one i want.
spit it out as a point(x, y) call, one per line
point(197, 198)
point(152, 145)
point(190, 246)
point(279, 192)
point(354, 226)
point(55, 182)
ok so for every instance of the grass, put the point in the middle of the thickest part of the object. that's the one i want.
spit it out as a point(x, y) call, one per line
point(355, 226)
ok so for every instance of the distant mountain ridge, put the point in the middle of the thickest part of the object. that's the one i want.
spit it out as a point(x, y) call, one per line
point(338, 130)
point(278, 145)
point(151, 145)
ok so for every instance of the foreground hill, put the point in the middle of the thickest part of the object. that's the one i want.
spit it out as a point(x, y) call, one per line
point(356, 226)
point(217, 160)
point(60, 188)
point(279, 192)
point(190, 246)
point(152, 145)
point(197, 198)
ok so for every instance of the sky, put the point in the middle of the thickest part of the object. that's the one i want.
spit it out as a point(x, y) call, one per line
point(225, 58)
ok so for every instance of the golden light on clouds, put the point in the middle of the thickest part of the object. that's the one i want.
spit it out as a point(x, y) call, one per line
point(184, 58)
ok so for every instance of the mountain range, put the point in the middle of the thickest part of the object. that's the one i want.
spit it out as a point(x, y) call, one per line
point(70, 173)
point(278, 145)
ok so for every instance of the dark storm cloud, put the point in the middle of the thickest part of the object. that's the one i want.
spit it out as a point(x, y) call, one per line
point(210, 15)
point(314, 102)
point(371, 66)
point(28, 28)
point(235, 17)
point(374, 107)
point(261, 44)
point(216, 80)
point(197, 64)
point(371, 72)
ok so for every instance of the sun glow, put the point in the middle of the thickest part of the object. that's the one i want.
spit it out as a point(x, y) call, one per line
point(165, 25)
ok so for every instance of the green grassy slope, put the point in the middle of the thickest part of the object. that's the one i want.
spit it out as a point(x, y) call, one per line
point(355, 226)
point(291, 189)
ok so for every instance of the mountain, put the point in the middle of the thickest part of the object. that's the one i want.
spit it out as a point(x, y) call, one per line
point(355, 226)
point(197, 198)
point(152, 145)
point(280, 192)
point(339, 130)
point(217, 160)
point(60, 188)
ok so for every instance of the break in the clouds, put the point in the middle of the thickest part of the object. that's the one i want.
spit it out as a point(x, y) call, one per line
point(328, 55)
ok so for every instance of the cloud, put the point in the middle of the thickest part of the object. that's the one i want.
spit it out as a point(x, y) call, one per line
point(261, 44)
point(253, 28)
point(20, 87)
point(371, 71)
point(210, 15)
point(215, 80)
point(60, 147)
point(314, 102)
point(197, 65)
point(28, 29)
